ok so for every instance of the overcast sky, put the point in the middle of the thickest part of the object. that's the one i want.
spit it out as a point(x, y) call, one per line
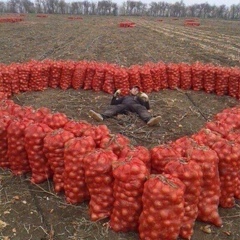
point(189, 2)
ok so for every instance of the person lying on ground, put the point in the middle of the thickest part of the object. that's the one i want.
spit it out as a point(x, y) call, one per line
point(136, 102)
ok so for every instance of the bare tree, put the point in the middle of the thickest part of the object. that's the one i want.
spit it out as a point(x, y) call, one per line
point(51, 5)
point(2, 7)
point(12, 6)
point(154, 9)
point(123, 9)
point(28, 6)
point(234, 12)
point(206, 12)
point(104, 7)
point(86, 6)
point(93, 8)
point(62, 7)
point(177, 9)
point(192, 10)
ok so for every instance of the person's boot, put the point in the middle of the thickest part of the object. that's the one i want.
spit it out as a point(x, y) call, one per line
point(153, 121)
point(96, 116)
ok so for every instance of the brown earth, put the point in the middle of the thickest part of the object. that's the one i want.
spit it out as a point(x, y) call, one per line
point(35, 211)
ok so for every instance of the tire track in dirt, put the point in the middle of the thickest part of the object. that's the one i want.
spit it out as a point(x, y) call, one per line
point(69, 37)
point(217, 44)
point(198, 34)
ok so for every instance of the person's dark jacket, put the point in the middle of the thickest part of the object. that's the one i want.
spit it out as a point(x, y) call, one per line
point(130, 100)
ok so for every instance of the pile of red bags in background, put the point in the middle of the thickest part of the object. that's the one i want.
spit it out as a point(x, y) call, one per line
point(11, 19)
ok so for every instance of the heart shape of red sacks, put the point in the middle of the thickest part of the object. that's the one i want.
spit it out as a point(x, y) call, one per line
point(159, 192)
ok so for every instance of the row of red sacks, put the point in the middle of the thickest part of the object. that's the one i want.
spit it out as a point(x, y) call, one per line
point(191, 22)
point(11, 19)
point(42, 15)
point(127, 24)
point(75, 18)
point(50, 145)
point(39, 75)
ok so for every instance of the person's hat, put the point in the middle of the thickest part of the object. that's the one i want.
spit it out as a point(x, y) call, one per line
point(136, 86)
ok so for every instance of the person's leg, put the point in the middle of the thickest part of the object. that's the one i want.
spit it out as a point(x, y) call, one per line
point(145, 115)
point(141, 111)
point(111, 111)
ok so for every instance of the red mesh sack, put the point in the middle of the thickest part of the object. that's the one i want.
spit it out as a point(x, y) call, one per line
point(14, 78)
point(234, 136)
point(34, 137)
point(39, 74)
point(24, 76)
point(229, 116)
point(182, 145)
point(6, 80)
point(68, 68)
point(163, 208)
point(99, 180)
point(156, 76)
point(229, 167)
point(220, 127)
point(185, 76)
point(163, 75)
point(222, 78)
point(233, 82)
point(9, 108)
point(4, 123)
point(114, 142)
point(224, 114)
point(91, 69)
point(209, 78)
point(160, 156)
point(75, 187)
point(55, 120)
point(206, 137)
point(39, 114)
point(55, 73)
point(129, 179)
point(98, 132)
point(16, 153)
point(210, 194)
point(77, 127)
point(53, 148)
point(99, 77)
point(237, 191)
point(22, 112)
point(3, 95)
point(173, 75)
point(79, 75)
point(108, 85)
point(140, 152)
point(13, 109)
point(146, 78)
point(197, 76)
point(190, 173)
point(121, 80)
point(134, 76)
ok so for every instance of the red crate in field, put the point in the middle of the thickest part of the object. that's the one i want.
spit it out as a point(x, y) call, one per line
point(75, 18)
point(127, 24)
point(11, 19)
point(42, 15)
point(191, 22)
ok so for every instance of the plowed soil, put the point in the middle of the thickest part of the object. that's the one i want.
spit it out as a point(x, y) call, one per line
point(35, 211)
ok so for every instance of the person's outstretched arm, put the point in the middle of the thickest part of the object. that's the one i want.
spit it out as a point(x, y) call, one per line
point(144, 100)
point(116, 99)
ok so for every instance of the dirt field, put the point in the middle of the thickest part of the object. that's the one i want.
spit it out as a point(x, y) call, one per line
point(35, 211)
